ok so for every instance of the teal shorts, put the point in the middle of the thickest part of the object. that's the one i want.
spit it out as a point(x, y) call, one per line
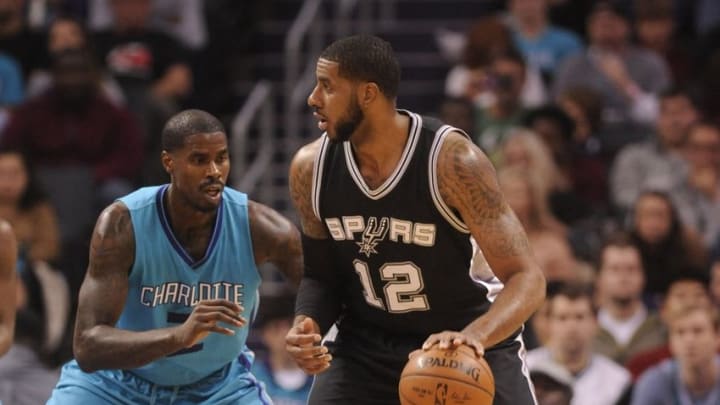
point(233, 384)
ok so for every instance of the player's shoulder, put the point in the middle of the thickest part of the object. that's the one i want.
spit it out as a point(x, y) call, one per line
point(457, 146)
point(306, 154)
point(235, 196)
point(115, 218)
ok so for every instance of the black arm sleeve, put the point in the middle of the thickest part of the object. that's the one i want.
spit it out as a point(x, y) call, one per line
point(319, 293)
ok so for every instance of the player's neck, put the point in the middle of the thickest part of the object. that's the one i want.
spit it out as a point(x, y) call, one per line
point(191, 217)
point(379, 142)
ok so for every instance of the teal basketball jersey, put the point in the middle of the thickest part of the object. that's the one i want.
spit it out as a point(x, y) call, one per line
point(165, 283)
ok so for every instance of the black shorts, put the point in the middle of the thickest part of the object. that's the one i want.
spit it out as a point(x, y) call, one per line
point(366, 368)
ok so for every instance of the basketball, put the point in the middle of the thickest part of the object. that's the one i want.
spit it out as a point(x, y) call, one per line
point(447, 377)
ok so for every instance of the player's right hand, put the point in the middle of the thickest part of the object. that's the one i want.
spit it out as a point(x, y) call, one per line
point(303, 344)
point(205, 318)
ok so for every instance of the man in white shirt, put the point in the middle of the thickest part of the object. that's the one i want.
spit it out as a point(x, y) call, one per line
point(626, 325)
point(597, 380)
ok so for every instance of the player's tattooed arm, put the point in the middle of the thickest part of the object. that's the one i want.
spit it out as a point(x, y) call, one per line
point(98, 344)
point(301, 179)
point(277, 240)
point(468, 183)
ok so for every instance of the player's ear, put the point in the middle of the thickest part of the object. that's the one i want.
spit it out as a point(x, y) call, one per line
point(167, 161)
point(368, 93)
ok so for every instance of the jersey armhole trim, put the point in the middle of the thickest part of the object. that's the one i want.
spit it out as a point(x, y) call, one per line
point(317, 174)
point(440, 204)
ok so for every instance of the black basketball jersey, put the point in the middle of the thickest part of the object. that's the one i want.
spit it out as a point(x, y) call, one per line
point(403, 256)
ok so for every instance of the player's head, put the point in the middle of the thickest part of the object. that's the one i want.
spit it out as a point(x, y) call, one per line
point(195, 155)
point(353, 74)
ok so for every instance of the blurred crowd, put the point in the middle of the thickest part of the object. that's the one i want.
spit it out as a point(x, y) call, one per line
point(606, 142)
point(602, 120)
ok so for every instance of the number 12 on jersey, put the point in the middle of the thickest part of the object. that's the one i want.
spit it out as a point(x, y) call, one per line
point(402, 289)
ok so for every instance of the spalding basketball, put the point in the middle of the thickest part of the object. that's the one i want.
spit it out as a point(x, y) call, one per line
point(447, 377)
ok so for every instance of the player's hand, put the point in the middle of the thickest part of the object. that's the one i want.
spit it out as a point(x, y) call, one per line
point(450, 340)
point(205, 318)
point(303, 344)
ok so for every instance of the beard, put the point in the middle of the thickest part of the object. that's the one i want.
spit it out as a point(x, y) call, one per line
point(345, 128)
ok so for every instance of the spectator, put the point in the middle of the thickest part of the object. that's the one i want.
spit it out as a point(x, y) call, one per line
point(656, 163)
point(486, 37)
point(583, 165)
point(668, 248)
point(26, 207)
point(692, 376)
point(553, 384)
point(689, 289)
point(715, 282)
point(8, 257)
point(628, 78)
point(75, 136)
point(16, 40)
point(698, 197)
point(526, 150)
point(655, 30)
point(545, 234)
point(285, 382)
point(504, 79)
point(151, 69)
point(65, 33)
point(543, 45)
point(72, 124)
point(459, 113)
point(627, 326)
point(597, 380)
point(183, 19)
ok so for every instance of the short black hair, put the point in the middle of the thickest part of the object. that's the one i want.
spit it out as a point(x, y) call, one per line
point(574, 291)
point(187, 123)
point(366, 58)
point(554, 114)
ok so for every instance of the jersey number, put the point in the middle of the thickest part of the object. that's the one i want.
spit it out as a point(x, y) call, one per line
point(402, 289)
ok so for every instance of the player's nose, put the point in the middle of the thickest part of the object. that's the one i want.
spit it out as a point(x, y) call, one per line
point(312, 99)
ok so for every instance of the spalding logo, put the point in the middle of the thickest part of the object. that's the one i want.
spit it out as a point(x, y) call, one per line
point(472, 372)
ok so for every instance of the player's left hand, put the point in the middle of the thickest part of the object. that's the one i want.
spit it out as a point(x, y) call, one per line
point(450, 340)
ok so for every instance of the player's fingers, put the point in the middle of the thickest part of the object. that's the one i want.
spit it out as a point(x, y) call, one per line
point(430, 341)
point(220, 329)
point(317, 369)
point(315, 363)
point(479, 348)
point(302, 339)
point(215, 317)
point(220, 308)
point(306, 352)
point(220, 302)
point(414, 353)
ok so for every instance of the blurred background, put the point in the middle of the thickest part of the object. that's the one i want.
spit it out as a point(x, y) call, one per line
point(601, 119)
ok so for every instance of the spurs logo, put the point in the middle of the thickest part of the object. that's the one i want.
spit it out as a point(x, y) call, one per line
point(373, 234)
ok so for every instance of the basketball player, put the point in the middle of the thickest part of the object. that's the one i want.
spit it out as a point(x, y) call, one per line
point(8, 260)
point(172, 282)
point(393, 205)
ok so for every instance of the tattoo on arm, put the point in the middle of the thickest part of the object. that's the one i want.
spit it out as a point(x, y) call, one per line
point(301, 177)
point(112, 253)
point(467, 182)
